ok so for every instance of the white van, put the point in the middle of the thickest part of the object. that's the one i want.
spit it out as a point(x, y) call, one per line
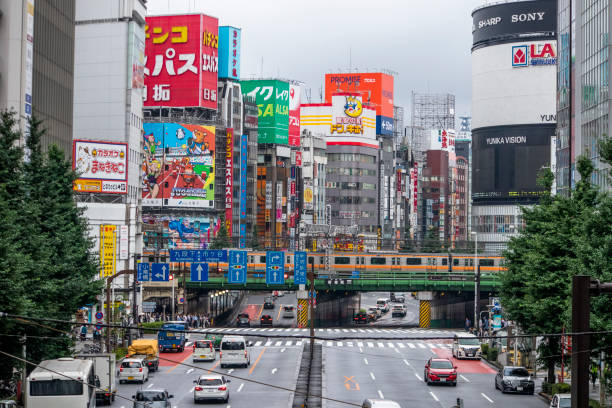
point(466, 345)
point(234, 350)
point(133, 369)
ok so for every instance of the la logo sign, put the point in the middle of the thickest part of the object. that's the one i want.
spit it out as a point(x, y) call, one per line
point(534, 54)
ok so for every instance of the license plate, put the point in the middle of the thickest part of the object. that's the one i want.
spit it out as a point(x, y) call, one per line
point(443, 379)
point(202, 356)
point(519, 388)
point(210, 390)
point(130, 378)
point(169, 334)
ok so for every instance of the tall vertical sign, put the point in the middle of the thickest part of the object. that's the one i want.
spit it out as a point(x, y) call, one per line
point(243, 187)
point(29, 64)
point(229, 179)
point(107, 250)
point(294, 115)
point(229, 52)
point(124, 238)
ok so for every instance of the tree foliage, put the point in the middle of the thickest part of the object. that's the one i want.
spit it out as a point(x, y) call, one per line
point(222, 239)
point(46, 264)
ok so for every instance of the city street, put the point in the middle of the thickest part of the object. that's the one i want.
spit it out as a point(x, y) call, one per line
point(368, 299)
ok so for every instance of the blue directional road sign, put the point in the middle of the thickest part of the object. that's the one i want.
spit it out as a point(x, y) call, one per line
point(300, 267)
point(275, 268)
point(144, 272)
point(160, 272)
point(181, 255)
point(237, 267)
point(199, 272)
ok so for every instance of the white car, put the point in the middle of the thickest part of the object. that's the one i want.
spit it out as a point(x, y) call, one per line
point(379, 403)
point(288, 311)
point(234, 350)
point(382, 305)
point(561, 401)
point(211, 387)
point(466, 346)
point(204, 350)
point(133, 369)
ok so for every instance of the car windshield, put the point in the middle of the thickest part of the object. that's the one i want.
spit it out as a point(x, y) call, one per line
point(210, 381)
point(244, 319)
point(381, 302)
point(469, 341)
point(516, 372)
point(203, 344)
point(268, 300)
point(289, 308)
point(130, 364)
point(441, 364)
point(565, 402)
point(151, 396)
point(266, 317)
point(232, 345)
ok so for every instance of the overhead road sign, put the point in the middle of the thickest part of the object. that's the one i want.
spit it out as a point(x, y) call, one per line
point(300, 267)
point(160, 272)
point(199, 272)
point(198, 255)
point(144, 274)
point(237, 267)
point(275, 268)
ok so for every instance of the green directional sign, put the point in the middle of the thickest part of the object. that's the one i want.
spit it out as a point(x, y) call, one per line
point(272, 98)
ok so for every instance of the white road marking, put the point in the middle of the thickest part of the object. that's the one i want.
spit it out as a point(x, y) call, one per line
point(353, 330)
point(464, 379)
point(430, 345)
point(434, 396)
point(396, 350)
point(231, 370)
point(240, 388)
point(349, 343)
point(339, 344)
point(330, 343)
point(150, 385)
point(418, 376)
point(365, 360)
point(278, 343)
point(487, 398)
point(381, 345)
point(411, 345)
point(391, 345)
point(257, 344)
point(407, 363)
point(288, 343)
point(188, 344)
point(268, 343)
point(372, 375)
point(344, 330)
point(359, 344)
point(421, 345)
point(283, 350)
point(189, 371)
point(401, 345)
point(360, 350)
point(381, 394)
point(274, 370)
point(191, 390)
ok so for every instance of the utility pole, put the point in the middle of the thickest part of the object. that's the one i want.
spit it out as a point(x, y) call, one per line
point(311, 304)
point(23, 341)
point(109, 281)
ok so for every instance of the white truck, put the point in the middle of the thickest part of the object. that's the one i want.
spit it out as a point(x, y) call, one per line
point(105, 369)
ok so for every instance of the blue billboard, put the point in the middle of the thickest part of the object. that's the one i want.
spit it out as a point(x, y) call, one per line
point(229, 52)
point(384, 125)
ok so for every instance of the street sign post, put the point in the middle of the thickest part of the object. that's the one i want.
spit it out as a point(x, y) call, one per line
point(160, 272)
point(198, 255)
point(275, 268)
point(144, 274)
point(181, 255)
point(199, 272)
point(237, 267)
point(99, 315)
point(300, 267)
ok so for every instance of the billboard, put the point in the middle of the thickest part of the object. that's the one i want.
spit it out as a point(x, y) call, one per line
point(243, 178)
point(136, 55)
point(108, 250)
point(100, 166)
point(181, 61)
point(272, 98)
point(229, 52)
point(442, 139)
point(506, 162)
point(229, 179)
point(503, 22)
point(183, 232)
point(179, 165)
point(308, 194)
point(375, 88)
point(294, 114)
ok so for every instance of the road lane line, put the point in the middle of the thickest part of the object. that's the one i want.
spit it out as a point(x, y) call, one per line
point(464, 379)
point(360, 350)
point(370, 344)
point(260, 311)
point(397, 351)
point(381, 394)
point(150, 385)
point(349, 343)
point(240, 388)
point(283, 350)
point(339, 344)
point(231, 370)
point(214, 366)
point(372, 375)
point(279, 312)
point(401, 345)
point(330, 343)
point(418, 376)
point(359, 344)
point(274, 370)
point(189, 371)
point(365, 360)
point(487, 398)
point(407, 363)
point(179, 362)
point(278, 343)
point(434, 396)
point(257, 361)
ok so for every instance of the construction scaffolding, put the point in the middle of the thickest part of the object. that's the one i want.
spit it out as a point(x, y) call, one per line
point(433, 111)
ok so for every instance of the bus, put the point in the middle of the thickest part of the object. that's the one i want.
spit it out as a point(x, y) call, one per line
point(62, 383)
point(169, 340)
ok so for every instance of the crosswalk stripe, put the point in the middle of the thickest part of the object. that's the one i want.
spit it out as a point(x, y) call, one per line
point(257, 344)
point(298, 343)
point(278, 343)
point(268, 343)
point(369, 344)
point(330, 343)
point(391, 345)
point(353, 331)
point(430, 345)
point(411, 345)
point(349, 343)
point(319, 341)
point(288, 343)
point(344, 330)
point(381, 345)
point(401, 345)
point(339, 344)
point(359, 344)
point(189, 343)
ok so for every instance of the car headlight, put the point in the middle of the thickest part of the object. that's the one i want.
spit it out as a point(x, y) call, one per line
point(507, 382)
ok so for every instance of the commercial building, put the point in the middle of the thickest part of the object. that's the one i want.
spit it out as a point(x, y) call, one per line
point(583, 100)
point(37, 65)
point(513, 111)
point(314, 172)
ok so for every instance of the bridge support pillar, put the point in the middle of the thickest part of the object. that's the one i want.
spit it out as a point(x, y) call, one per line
point(302, 314)
point(424, 314)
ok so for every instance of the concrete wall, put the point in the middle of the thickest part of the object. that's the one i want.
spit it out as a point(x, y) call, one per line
point(450, 311)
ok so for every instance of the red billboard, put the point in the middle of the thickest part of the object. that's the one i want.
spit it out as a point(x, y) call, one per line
point(294, 114)
point(181, 61)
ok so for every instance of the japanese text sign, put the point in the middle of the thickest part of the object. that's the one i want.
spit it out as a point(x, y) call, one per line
point(229, 52)
point(100, 166)
point(272, 98)
point(229, 179)
point(181, 61)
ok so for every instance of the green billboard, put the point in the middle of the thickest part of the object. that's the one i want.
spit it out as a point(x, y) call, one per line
point(272, 98)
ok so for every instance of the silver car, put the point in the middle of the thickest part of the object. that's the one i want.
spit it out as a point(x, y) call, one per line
point(152, 399)
point(211, 387)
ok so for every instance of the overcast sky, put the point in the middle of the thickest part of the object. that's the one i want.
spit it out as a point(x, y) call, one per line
point(426, 42)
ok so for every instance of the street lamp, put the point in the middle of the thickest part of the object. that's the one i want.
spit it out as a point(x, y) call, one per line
point(476, 317)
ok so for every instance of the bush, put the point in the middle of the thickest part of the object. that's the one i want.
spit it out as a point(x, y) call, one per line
point(492, 354)
point(547, 388)
point(151, 325)
point(484, 347)
point(594, 404)
point(560, 388)
point(120, 353)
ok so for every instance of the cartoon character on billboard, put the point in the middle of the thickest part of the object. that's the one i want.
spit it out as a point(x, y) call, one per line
point(83, 160)
point(181, 227)
point(150, 145)
point(197, 144)
point(153, 171)
point(188, 175)
point(353, 107)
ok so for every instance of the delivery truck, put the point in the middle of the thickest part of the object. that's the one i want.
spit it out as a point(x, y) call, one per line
point(106, 372)
point(148, 349)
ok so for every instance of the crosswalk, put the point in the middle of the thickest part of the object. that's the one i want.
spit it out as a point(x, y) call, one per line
point(322, 331)
point(352, 344)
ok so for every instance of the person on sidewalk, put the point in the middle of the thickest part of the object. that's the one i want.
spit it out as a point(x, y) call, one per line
point(83, 332)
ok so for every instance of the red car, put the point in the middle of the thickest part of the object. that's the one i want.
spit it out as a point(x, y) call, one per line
point(266, 320)
point(440, 370)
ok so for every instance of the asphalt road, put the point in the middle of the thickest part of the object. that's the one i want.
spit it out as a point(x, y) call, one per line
point(368, 299)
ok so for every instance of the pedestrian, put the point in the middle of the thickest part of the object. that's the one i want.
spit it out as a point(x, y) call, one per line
point(467, 324)
point(593, 374)
point(83, 332)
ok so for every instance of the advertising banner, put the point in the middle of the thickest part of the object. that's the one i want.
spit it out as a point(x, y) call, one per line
point(298, 159)
point(242, 241)
point(100, 166)
point(107, 250)
point(243, 176)
point(229, 179)
point(442, 139)
point(136, 55)
point(181, 61)
point(272, 98)
point(124, 239)
point(189, 232)
point(294, 114)
point(229, 52)
point(179, 165)
point(308, 194)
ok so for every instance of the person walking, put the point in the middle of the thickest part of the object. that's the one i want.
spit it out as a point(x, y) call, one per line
point(83, 332)
point(467, 324)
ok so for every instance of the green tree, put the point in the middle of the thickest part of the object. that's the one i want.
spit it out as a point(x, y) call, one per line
point(254, 241)
point(432, 243)
point(221, 240)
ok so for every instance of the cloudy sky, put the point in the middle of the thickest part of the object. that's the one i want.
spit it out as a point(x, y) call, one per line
point(426, 42)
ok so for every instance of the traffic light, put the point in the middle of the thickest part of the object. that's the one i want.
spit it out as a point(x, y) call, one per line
point(171, 277)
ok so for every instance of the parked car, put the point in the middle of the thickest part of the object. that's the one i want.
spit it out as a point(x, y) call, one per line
point(133, 369)
point(211, 387)
point(561, 401)
point(204, 350)
point(288, 311)
point(152, 399)
point(440, 370)
point(514, 379)
point(361, 318)
point(268, 303)
point(243, 320)
point(265, 321)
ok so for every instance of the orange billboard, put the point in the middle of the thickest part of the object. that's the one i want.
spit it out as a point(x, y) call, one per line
point(376, 89)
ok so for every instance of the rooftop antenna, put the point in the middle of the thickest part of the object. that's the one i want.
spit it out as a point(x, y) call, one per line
point(261, 67)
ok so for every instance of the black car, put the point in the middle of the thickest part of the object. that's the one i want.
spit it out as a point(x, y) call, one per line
point(266, 320)
point(243, 320)
point(514, 379)
point(361, 318)
point(269, 303)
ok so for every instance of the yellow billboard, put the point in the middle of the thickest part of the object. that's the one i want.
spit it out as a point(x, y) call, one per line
point(107, 250)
